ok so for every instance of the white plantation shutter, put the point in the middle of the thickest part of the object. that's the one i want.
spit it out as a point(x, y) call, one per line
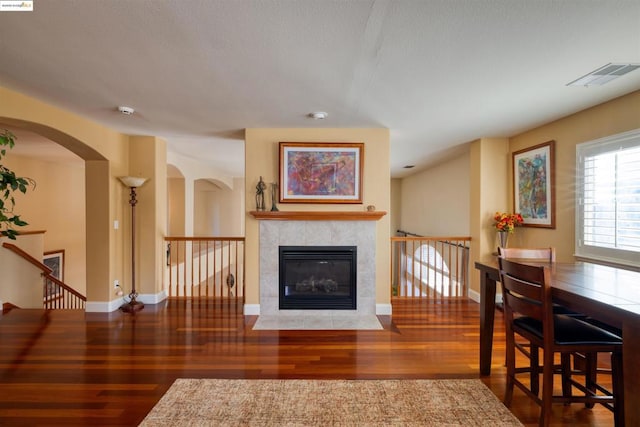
point(608, 199)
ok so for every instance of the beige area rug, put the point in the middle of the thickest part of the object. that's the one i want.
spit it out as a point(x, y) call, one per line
point(215, 402)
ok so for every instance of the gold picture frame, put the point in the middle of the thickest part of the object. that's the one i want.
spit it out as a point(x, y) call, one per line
point(321, 172)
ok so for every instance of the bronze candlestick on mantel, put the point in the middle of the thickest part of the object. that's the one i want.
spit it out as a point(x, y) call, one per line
point(274, 196)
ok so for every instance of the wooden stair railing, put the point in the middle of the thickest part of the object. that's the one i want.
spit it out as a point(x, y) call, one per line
point(429, 267)
point(56, 294)
point(209, 267)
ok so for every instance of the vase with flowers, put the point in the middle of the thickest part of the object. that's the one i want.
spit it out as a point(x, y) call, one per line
point(506, 223)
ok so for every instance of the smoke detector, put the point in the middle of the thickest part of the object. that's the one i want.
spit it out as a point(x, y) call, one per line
point(318, 115)
point(126, 110)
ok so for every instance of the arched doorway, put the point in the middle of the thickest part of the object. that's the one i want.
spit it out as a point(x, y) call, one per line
point(94, 203)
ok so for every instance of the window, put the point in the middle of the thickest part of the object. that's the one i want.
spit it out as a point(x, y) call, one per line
point(608, 199)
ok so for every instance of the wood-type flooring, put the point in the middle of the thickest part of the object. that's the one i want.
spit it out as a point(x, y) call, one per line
point(70, 368)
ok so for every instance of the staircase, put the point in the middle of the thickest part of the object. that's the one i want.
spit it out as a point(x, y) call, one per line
point(55, 293)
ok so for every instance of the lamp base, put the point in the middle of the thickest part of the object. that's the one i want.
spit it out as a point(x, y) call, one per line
point(132, 306)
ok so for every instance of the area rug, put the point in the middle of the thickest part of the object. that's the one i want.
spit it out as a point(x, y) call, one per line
point(215, 402)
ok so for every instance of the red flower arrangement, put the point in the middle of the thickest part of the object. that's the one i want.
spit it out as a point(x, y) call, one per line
point(506, 221)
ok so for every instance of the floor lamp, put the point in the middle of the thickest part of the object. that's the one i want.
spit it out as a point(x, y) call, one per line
point(133, 182)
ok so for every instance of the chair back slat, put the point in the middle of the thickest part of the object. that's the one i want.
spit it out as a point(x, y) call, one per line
point(526, 291)
point(524, 306)
point(542, 254)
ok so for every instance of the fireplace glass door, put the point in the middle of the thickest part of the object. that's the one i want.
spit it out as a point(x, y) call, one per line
point(317, 277)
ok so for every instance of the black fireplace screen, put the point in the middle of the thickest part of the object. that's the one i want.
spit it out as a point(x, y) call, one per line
point(318, 277)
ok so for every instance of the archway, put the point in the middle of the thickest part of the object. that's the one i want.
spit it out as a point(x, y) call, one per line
point(96, 201)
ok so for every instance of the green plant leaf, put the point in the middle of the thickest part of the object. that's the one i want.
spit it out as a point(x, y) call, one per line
point(9, 183)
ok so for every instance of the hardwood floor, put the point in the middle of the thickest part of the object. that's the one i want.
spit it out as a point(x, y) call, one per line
point(68, 368)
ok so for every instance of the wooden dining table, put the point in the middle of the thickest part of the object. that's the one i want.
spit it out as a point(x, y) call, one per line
point(608, 294)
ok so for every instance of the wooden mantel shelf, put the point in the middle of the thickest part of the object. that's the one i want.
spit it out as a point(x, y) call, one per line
point(318, 215)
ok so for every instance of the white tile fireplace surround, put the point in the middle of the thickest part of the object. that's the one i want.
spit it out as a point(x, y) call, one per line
point(361, 234)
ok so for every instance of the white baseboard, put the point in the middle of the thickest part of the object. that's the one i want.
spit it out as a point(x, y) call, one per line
point(383, 309)
point(113, 305)
point(475, 296)
point(153, 298)
point(103, 306)
point(251, 309)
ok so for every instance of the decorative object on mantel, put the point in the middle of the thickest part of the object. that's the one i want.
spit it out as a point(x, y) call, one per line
point(329, 172)
point(260, 187)
point(274, 196)
point(371, 208)
point(504, 224)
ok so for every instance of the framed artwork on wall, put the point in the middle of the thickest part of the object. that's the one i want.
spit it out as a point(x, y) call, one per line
point(534, 186)
point(55, 261)
point(328, 172)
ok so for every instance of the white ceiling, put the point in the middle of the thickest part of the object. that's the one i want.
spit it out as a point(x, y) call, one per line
point(436, 73)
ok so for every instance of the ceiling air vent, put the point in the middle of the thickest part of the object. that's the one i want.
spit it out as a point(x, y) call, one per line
point(604, 74)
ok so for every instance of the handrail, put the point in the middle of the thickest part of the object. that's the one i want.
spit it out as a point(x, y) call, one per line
point(68, 297)
point(66, 287)
point(407, 233)
point(45, 270)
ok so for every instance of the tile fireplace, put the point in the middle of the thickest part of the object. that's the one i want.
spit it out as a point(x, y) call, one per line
point(360, 235)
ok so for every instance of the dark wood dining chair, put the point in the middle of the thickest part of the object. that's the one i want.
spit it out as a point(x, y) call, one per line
point(543, 255)
point(528, 313)
point(547, 255)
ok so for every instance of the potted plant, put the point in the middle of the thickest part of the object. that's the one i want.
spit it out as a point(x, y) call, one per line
point(9, 184)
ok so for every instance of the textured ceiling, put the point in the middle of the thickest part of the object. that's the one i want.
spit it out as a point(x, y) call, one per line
point(436, 73)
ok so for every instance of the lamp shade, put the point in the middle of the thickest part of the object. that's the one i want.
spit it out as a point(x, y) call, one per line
point(132, 181)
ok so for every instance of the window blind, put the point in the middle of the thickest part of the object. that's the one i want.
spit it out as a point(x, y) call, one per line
point(608, 199)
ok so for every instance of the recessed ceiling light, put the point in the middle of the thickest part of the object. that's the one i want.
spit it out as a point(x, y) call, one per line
point(604, 74)
point(126, 110)
point(318, 115)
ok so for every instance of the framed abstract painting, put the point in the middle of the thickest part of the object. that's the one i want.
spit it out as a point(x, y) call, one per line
point(328, 172)
point(534, 186)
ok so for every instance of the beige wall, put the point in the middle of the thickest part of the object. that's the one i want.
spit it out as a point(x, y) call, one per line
point(488, 170)
point(15, 269)
point(617, 116)
point(108, 155)
point(431, 204)
point(148, 158)
point(490, 178)
point(57, 206)
point(175, 206)
point(216, 209)
point(396, 202)
point(261, 159)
